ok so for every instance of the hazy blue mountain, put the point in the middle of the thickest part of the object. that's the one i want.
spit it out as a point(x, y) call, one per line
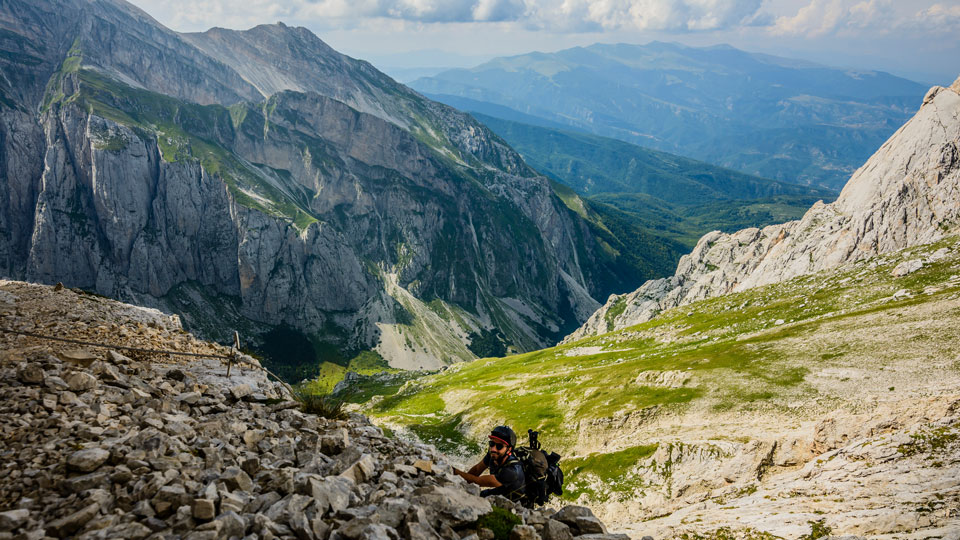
point(592, 164)
point(645, 197)
point(774, 117)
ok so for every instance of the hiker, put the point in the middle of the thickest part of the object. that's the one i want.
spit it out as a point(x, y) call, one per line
point(506, 473)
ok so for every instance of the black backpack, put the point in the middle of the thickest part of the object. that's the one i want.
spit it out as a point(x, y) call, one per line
point(541, 472)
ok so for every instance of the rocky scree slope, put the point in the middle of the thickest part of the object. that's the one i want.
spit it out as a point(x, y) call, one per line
point(219, 176)
point(906, 194)
point(103, 445)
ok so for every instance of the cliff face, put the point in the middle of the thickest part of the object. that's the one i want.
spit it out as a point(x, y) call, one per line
point(906, 194)
point(257, 178)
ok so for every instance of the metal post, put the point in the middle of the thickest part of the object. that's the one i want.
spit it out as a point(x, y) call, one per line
point(236, 351)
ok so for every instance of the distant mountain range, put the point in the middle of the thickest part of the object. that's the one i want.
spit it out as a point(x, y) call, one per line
point(774, 117)
point(653, 196)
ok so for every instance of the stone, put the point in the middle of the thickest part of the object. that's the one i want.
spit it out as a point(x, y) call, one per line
point(556, 530)
point(524, 532)
point(235, 502)
point(602, 536)
point(419, 531)
point(236, 479)
point(132, 531)
point(569, 514)
point(168, 499)
point(13, 519)
point(334, 441)
point(240, 391)
point(907, 267)
point(362, 470)
point(204, 509)
point(78, 357)
point(30, 373)
point(423, 465)
point(190, 398)
point(230, 525)
point(454, 505)
point(118, 358)
point(87, 460)
point(72, 523)
point(80, 381)
point(589, 525)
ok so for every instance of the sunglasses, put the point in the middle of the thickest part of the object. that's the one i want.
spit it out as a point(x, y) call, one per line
point(498, 446)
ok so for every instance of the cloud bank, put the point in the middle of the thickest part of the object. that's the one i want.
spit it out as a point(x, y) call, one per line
point(850, 17)
point(800, 18)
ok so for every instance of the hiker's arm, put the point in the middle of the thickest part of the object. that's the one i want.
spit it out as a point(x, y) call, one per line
point(478, 468)
point(473, 476)
point(487, 480)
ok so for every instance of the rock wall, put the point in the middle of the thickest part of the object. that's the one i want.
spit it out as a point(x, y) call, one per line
point(205, 175)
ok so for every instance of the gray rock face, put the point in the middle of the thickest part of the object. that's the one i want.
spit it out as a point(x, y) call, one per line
point(88, 460)
point(906, 194)
point(328, 197)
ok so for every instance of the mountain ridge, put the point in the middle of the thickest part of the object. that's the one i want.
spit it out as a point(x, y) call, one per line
point(903, 195)
point(727, 107)
point(163, 176)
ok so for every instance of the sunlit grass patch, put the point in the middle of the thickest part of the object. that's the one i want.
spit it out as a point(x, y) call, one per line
point(599, 475)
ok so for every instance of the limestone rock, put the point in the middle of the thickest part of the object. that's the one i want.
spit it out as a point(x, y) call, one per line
point(30, 374)
point(524, 532)
point(80, 381)
point(72, 523)
point(87, 460)
point(13, 519)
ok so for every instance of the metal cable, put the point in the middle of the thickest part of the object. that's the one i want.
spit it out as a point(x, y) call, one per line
point(235, 358)
point(109, 346)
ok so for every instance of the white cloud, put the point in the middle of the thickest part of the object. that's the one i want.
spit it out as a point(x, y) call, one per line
point(551, 15)
point(939, 18)
point(866, 17)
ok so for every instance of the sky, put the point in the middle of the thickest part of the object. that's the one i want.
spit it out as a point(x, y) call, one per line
point(916, 39)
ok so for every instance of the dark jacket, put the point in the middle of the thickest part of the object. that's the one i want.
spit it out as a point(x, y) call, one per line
point(510, 476)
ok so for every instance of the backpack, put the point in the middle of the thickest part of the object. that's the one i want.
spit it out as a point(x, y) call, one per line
point(541, 472)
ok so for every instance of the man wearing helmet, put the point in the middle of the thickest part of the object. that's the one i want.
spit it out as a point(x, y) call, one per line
point(506, 473)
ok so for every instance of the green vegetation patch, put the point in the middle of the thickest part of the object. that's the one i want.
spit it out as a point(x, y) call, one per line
point(932, 441)
point(617, 309)
point(601, 475)
point(446, 435)
point(728, 533)
point(500, 522)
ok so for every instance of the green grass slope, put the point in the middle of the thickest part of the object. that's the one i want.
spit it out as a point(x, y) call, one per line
point(726, 368)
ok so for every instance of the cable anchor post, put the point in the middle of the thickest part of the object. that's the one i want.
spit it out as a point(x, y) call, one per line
point(235, 353)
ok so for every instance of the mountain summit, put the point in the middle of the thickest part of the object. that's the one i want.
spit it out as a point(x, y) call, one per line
point(259, 180)
point(906, 194)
